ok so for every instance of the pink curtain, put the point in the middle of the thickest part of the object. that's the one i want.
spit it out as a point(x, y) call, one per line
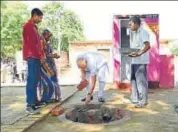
point(153, 68)
point(167, 71)
point(116, 53)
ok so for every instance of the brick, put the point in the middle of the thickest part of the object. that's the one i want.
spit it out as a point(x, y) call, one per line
point(57, 111)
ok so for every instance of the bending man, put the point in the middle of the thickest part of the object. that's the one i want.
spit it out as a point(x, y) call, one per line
point(93, 66)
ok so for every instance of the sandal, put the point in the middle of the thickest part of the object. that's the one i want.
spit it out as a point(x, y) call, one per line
point(85, 99)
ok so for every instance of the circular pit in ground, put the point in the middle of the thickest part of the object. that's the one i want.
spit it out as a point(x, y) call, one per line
point(95, 114)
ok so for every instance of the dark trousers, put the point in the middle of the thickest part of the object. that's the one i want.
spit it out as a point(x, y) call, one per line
point(139, 83)
point(32, 80)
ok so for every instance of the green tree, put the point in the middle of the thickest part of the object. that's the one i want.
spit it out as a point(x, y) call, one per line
point(175, 50)
point(13, 16)
point(70, 25)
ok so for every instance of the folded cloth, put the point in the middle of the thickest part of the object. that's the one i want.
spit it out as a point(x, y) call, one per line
point(82, 85)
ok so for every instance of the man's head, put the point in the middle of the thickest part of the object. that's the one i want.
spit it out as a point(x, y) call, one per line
point(134, 23)
point(47, 34)
point(36, 15)
point(82, 64)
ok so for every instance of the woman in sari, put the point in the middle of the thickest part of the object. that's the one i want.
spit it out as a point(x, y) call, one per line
point(50, 86)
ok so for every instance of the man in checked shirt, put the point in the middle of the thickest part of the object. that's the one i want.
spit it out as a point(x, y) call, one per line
point(139, 40)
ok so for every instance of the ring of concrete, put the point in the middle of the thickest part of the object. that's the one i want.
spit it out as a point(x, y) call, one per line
point(127, 116)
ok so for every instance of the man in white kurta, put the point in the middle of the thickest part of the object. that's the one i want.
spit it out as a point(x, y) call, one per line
point(93, 65)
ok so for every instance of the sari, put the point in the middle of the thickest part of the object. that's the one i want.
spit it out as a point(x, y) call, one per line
point(45, 86)
point(49, 84)
point(51, 63)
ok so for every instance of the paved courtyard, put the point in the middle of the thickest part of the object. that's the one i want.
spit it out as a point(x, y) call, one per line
point(158, 116)
point(13, 103)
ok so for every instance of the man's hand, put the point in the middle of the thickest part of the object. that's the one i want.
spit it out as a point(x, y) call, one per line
point(83, 78)
point(145, 49)
point(139, 53)
point(82, 85)
point(56, 55)
point(88, 99)
point(134, 54)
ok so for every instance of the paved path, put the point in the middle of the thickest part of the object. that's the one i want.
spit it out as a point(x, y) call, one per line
point(158, 116)
point(13, 102)
point(13, 106)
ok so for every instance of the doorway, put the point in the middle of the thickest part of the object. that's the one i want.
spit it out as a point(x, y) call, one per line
point(125, 33)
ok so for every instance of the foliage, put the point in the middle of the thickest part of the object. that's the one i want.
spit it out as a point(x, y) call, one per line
point(15, 13)
point(70, 25)
point(175, 50)
point(13, 16)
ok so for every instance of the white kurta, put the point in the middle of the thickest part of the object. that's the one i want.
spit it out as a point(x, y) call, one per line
point(96, 65)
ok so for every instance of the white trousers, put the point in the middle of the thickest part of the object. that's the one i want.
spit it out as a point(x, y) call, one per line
point(101, 80)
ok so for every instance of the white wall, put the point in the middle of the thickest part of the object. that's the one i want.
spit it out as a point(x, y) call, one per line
point(75, 52)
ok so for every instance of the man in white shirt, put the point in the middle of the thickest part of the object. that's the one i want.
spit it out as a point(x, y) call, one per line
point(139, 39)
point(93, 65)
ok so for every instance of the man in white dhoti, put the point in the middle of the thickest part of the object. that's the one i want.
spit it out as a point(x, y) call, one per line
point(93, 65)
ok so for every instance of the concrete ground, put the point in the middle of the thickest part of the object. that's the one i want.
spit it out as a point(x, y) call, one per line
point(158, 116)
point(13, 104)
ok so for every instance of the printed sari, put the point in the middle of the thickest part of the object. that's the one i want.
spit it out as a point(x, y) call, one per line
point(51, 63)
point(49, 86)
point(45, 86)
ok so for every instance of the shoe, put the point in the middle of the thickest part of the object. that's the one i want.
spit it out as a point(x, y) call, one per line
point(32, 110)
point(50, 101)
point(58, 100)
point(85, 99)
point(40, 105)
point(139, 105)
point(134, 102)
point(127, 101)
point(101, 99)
